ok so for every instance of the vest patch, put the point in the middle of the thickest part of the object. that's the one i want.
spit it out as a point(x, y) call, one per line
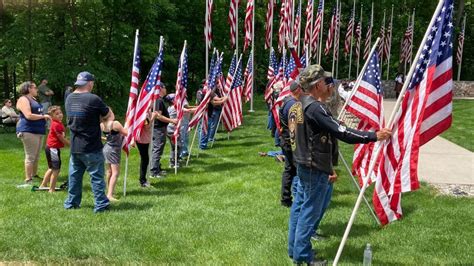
point(295, 116)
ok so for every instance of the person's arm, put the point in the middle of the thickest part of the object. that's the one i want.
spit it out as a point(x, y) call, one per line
point(118, 127)
point(102, 108)
point(62, 138)
point(348, 135)
point(216, 101)
point(165, 119)
point(24, 106)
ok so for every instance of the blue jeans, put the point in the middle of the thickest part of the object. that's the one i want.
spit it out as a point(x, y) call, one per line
point(184, 136)
point(326, 202)
point(306, 209)
point(211, 129)
point(93, 163)
point(297, 193)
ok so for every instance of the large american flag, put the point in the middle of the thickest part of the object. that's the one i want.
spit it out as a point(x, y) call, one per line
point(230, 75)
point(248, 24)
point(296, 26)
point(388, 40)
point(232, 109)
point(331, 31)
point(317, 28)
point(349, 34)
point(460, 43)
point(269, 24)
point(309, 23)
point(132, 97)
point(283, 29)
point(358, 37)
point(271, 75)
point(368, 41)
point(248, 78)
point(366, 104)
point(208, 27)
point(406, 49)
point(425, 112)
point(381, 49)
point(149, 92)
point(233, 8)
point(181, 88)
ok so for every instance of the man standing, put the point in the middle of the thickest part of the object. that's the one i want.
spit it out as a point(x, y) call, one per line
point(45, 95)
point(314, 134)
point(84, 112)
point(214, 110)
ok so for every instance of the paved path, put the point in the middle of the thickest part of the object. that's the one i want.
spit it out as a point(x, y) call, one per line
point(441, 161)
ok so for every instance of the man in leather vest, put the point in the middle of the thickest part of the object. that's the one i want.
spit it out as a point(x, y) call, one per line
point(313, 154)
point(290, 169)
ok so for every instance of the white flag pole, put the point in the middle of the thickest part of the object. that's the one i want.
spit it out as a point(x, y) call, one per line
point(378, 148)
point(206, 29)
point(460, 59)
point(237, 26)
point(253, 65)
point(390, 46)
point(352, 38)
point(334, 40)
point(308, 58)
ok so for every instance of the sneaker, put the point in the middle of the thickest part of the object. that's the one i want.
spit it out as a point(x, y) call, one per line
point(318, 262)
point(29, 181)
point(318, 237)
point(145, 185)
point(286, 203)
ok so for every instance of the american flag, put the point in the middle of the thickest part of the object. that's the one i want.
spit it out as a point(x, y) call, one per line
point(248, 24)
point(248, 78)
point(232, 110)
point(425, 112)
point(309, 23)
point(215, 56)
point(331, 32)
point(269, 24)
point(181, 87)
point(460, 43)
point(230, 75)
point(337, 34)
point(366, 104)
point(358, 37)
point(283, 30)
point(233, 21)
point(368, 41)
point(132, 97)
point(296, 26)
point(149, 92)
point(272, 65)
point(406, 50)
point(388, 41)
point(317, 28)
point(208, 28)
point(349, 34)
point(381, 49)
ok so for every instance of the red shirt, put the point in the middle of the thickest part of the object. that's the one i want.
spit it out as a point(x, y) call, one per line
point(57, 129)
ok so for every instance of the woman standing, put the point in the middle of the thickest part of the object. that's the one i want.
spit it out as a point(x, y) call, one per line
point(31, 127)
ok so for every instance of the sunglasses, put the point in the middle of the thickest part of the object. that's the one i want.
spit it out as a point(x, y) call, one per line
point(329, 81)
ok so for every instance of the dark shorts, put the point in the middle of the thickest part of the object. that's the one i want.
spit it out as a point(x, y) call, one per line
point(53, 155)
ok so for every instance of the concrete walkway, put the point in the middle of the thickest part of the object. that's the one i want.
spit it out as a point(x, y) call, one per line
point(441, 161)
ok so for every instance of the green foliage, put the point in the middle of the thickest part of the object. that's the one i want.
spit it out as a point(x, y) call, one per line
point(222, 209)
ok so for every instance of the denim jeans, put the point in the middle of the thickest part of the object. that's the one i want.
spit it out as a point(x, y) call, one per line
point(211, 129)
point(93, 163)
point(326, 202)
point(184, 136)
point(306, 209)
point(297, 193)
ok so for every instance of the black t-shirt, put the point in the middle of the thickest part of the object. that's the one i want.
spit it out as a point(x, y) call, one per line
point(211, 107)
point(161, 107)
point(83, 119)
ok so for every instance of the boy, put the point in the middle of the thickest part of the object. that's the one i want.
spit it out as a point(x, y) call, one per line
point(55, 141)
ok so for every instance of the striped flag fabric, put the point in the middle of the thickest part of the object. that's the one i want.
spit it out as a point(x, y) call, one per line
point(149, 92)
point(460, 44)
point(232, 19)
point(317, 28)
point(232, 109)
point(406, 50)
point(269, 24)
point(366, 104)
point(368, 41)
point(248, 79)
point(388, 41)
point(208, 27)
point(381, 49)
point(358, 37)
point(230, 75)
point(331, 32)
point(349, 34)
point(272, 65)
point(426, 111)
point(248, 24)
point(283, 30)
point(337, 32)
point(132, 97)
point(308, 29)
point(181, 88)
point(296, 26)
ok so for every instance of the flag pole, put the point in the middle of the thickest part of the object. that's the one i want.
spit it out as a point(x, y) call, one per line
point(360, 38)
point(390, 44)
point(334, 41)
point(192, 142)
point(176, 137)
point(390, 124)
point(299, 29)
point(338, 36)
point(352, 38)
point(321, 33)
point(206, 29)
point(236, 26)
point(292, 20)
point(460, 59)
point(252, 51)
point(308, 58)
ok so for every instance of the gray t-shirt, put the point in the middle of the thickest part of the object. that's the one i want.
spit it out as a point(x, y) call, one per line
point(42, 89)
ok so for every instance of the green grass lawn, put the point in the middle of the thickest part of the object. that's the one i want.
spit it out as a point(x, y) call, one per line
point(223, 209)
point(461, 131)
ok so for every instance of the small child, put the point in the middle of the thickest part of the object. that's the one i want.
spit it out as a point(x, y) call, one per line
point(114, 133)
point(170, 131)
point(55, 141)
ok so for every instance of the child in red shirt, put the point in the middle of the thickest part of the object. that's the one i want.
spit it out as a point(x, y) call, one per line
point(55, 141)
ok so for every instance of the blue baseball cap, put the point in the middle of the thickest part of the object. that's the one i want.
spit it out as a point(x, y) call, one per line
point(83, 78)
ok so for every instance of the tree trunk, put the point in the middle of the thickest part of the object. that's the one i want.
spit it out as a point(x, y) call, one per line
point(460, 13)
point(6, 81)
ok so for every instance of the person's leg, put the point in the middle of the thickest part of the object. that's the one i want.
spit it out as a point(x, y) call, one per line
point(75, 176)
point(184, 137)
point(287, 176)
point(214, 119)
point(326, 202)
point(46, 177)
point(155, 155)
point(203, 136)
point(29, 145)
point(314, 185)
point(144, 160)
point(115, 172)
point(297, 192)
point(108, 173)
point(95, 167)
point(38, 143)
point(161, 134)
point(54, 177)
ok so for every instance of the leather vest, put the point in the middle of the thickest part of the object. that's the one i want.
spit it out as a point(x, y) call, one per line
point(313, 149)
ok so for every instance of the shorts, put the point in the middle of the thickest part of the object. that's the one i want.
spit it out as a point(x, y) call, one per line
point(53, 155)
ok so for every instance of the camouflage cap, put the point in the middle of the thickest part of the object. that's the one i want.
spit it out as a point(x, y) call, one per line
point(294, 86)
point(311, 74)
